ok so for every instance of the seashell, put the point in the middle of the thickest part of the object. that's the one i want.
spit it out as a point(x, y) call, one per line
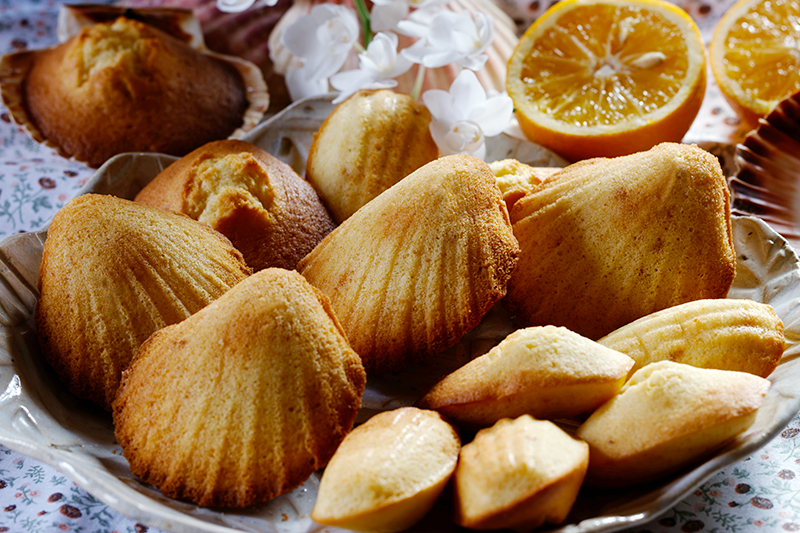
point(492, 76)
point(270, 214)
point(580, 270)
point(519, 474)
point(546, 372)
point(362, 149)
point(244, 400)
point(89, 110)
point(112, 273)
point(768, 179)
point(388, 472)
point(416, 268)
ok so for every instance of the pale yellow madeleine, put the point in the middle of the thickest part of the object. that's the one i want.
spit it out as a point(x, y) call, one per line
point(519, 474)
point(607, 241)
point(245, 399)
point(415, 269)
point(725, 334)
point(388, 472)
point(547, 372)
point(667, 416)
point(368, 143)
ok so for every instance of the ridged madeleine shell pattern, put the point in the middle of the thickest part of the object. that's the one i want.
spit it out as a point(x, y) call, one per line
point(245, 399)
point(362, 149)
point(607, 241)
point(112, 273)
point(518, 474)
point(413, 270)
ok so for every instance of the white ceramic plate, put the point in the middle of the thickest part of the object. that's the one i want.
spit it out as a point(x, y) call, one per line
point(39, 418)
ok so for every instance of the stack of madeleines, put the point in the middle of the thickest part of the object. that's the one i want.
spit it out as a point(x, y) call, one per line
point(229, 387)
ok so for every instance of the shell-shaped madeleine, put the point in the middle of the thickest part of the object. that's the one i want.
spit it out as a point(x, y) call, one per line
point(419, 266)
point(547, 372)
point(727, 334)
point(607, 241)
point(269, 213)
point(667, 416)
point(388, 472)
point(242, 401)
point(518, 474)
point(112, 273)
point(368, 143)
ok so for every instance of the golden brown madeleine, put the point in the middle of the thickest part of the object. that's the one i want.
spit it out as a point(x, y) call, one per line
point(112, 273)
point(518, 474)
point(740, 335)
point(242, 401)
point(420, 265)
point(547, 372)
point(272, 215)
point(371, 141)
point(388, 472)
point(129, 87)
point(607, 241)
point(668, 415)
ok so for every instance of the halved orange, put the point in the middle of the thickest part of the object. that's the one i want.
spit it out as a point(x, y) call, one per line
point(755, 55)
point(608, 77)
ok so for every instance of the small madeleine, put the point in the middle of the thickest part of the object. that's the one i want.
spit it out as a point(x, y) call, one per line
point(667, 416)
point(547, 372)
point(387, 473)
point(518, 474)
point(740, 335)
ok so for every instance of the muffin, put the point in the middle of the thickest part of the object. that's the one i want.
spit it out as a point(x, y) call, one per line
point(368, 143)
point(609, 240)
point(416, 268)
point(112, 273)
point(388, 472)
point(125, 86)
point(267, 211)
point(244, 400)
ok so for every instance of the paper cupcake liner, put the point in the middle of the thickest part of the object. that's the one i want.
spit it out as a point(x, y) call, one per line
point(15, 67)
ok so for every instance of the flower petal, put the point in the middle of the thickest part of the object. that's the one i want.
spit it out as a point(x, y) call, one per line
point(386, 15)
point(495, 115)
point(300, 85)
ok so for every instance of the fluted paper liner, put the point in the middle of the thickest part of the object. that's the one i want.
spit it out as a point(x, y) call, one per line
point(14, 67)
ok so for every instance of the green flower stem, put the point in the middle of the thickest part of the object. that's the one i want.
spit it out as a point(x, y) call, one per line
point(418, 82)
point(363, 14)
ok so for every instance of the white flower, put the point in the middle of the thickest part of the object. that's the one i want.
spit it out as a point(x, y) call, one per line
point(378, 66)
point(321, 41)
point(454, 38)
point(463, 116)
point(237, 6)
point(386, 14)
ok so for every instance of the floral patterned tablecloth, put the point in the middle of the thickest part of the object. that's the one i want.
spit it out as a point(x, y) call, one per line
point(759, 493)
